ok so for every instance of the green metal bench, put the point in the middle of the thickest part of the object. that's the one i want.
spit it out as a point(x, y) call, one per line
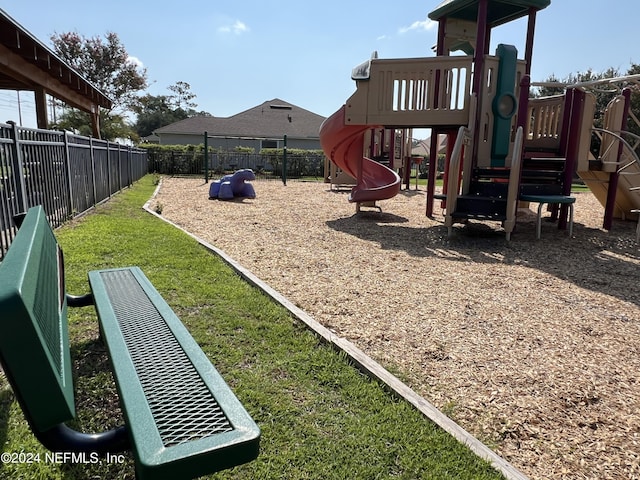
point(181, 419)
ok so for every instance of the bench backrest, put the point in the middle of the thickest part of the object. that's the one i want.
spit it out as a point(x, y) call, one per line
point(34, 339)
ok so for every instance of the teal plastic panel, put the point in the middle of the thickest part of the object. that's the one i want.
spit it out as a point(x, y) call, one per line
point(504, 105)
point(499, 11)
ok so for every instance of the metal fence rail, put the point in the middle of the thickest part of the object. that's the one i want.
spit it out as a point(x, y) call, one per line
point(67, 174)
point(265, 166)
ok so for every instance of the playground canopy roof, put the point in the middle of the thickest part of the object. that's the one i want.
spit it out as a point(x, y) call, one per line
point(499, 11)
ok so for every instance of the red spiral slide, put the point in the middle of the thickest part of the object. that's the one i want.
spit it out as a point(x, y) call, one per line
point(343, 144)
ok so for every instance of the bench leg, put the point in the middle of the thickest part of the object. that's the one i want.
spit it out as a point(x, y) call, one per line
point(539, 221)
point(571, 220)
point(637, 211)
point(62, 438)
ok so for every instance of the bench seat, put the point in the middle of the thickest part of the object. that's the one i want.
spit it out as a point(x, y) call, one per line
point(550, 200)
point(181, 418)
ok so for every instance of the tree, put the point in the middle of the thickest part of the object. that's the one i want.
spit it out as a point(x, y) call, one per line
point(112, 125)
point(182, 96)
point(603, 93)
point(154, 112)
point(107, 65)
point(633, 126)
point(157, 111)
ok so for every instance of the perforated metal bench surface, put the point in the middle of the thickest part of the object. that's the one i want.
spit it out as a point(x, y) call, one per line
point(182, 420)
point(181, 414)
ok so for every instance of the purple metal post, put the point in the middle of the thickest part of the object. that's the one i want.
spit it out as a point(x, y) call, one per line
point(392, 149)
point(528, 49)
point(433, 152)
point(481, 41)
point(523, 102)
point(478, 68)
point(575, 105)
point(431, 180)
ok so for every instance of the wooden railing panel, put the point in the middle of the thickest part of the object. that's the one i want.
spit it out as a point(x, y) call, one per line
point(544, 123)
point(413, 92)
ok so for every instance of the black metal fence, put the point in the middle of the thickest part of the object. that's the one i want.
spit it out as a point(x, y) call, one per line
point(266, 166)
point(67, 174)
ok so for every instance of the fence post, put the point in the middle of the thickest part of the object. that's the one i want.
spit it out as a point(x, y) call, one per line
point(284, 161)
point(120, 182)
point(108, 170)
point(17, 171)
point(67, 166)
point(124, 167)
point(93, 171)
point(129, 167)
point(206, 157)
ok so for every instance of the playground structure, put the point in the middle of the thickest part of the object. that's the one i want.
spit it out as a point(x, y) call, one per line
point(235, 185)
point(503, 148)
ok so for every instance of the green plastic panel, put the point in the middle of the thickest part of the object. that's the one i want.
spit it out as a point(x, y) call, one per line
point(505, 92)
point(34, 339)
point(183, 419)
point(499, 11)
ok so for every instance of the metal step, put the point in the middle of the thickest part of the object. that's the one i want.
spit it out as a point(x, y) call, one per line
point(480, 207)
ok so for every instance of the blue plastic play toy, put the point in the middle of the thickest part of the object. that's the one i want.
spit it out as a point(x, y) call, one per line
point(234, 186)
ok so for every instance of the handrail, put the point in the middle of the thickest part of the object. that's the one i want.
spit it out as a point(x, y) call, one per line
point(618, 136)
point(635, 78)
point(514, 184)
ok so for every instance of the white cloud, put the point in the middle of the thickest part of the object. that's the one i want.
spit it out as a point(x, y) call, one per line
point(420, 25)
point(136, 61)
point(236, 28)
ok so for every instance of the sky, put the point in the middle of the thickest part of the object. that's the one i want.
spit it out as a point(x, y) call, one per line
point(238, 54)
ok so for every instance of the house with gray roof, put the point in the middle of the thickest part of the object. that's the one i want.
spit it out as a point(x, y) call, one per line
point(263, 126)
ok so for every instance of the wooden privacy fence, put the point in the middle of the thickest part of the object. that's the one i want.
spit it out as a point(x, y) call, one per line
point(67, 174)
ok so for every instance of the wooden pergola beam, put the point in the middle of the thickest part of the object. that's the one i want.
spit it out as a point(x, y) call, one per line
point(27, 64)
point(34, 79)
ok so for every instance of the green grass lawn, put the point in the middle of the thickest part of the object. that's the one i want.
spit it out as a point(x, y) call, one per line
point(320, 417)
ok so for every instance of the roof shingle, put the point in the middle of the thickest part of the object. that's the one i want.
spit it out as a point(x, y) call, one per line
point(272, 119)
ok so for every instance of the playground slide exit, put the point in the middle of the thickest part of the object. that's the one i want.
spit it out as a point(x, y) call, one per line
point(343, 144)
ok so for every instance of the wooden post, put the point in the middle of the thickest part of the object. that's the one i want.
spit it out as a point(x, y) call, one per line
point(95, 121)
point(41, 108)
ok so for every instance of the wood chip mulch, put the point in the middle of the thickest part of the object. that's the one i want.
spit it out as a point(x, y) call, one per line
point(533, 346)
